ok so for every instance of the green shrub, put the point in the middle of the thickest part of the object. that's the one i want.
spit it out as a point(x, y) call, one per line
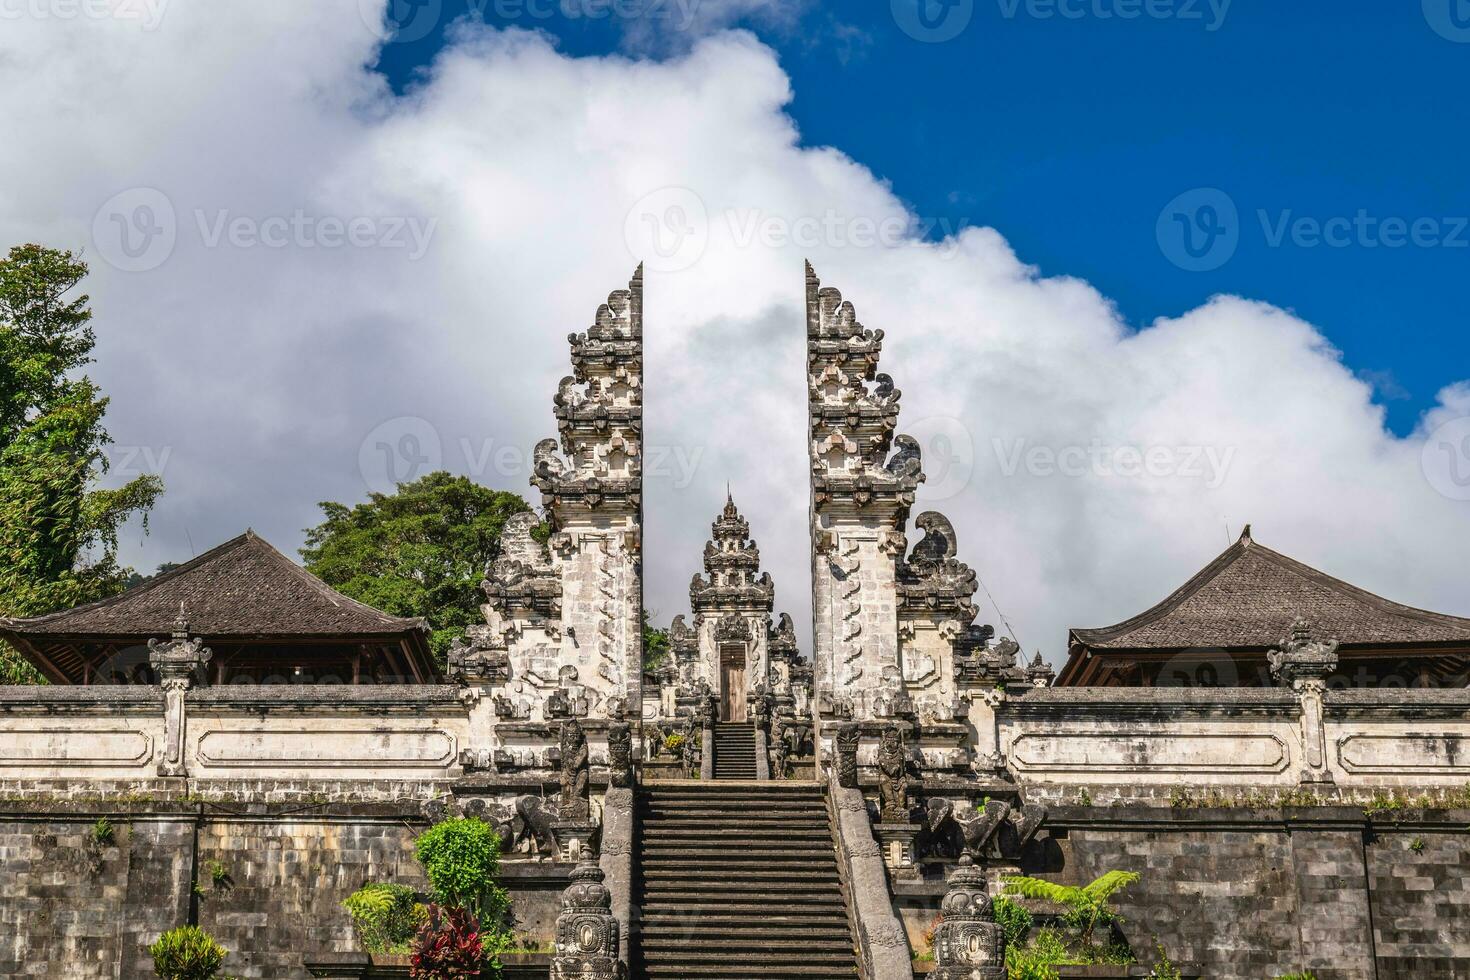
point(1013, 920)
point(102, 833)
point(673, 744)
point(1087, 907)
point(1164, 969)
point(462, 861)
point(1305, 975)
point(187, 953)
point(385, 917)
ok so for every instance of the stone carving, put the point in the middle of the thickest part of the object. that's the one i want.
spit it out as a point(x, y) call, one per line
point(690, 751)
point(177, 663)
point(1302, 657)
point(536, 820)
point(574, 772)
point(1304, 663)
point(1040, 673)
point(968, 945)
point(620, 754)
point(587, 934)
point(475, 661)
point(846, 744)
point(790, 737)
point(893, 776)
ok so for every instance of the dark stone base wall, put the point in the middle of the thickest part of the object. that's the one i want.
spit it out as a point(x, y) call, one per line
point(70, 910)
point(1250, 895)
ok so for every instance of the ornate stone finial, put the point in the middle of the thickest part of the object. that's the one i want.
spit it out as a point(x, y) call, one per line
point(968, 945)
point(587, 934)
point(178, 660)
point(575, 804)
point(1302, 658)
point(846, 744)
point(1040, 673)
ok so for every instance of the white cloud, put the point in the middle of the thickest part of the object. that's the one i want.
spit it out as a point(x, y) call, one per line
point(273, 376)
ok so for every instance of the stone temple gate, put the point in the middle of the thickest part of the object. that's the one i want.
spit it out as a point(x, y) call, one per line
point(737, 811)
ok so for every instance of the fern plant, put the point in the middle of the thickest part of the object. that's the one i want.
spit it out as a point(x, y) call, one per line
point(1087, 907)
point(386, 917)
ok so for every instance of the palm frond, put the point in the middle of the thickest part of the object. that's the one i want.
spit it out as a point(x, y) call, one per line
point(1036, 888)
point(1109, 884)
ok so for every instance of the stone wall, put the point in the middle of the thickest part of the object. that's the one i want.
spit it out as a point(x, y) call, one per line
point(1236, 894)
point(70, 909)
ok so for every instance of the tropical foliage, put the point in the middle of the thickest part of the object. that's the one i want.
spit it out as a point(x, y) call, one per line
point(421, 551)
point(58, 529)
point(187, 953)
point(386, 917)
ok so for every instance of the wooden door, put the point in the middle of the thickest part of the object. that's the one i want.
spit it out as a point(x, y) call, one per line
point(732, 685)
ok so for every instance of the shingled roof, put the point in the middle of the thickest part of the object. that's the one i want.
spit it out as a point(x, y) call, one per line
point(243, 588)
point(1247, 598)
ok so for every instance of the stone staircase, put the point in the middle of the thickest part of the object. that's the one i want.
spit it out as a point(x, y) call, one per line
point(735, 750)
point(739, 881)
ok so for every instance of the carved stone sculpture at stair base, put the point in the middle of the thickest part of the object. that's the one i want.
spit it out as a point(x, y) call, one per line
point(587, 935)
point(968, 945)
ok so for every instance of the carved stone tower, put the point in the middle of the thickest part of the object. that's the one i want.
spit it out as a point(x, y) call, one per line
point(730, 645)
point(564, 616)
point(894, 634)
point(863, 480)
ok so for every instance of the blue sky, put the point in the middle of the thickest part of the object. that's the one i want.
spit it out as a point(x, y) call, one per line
point(1071, 128)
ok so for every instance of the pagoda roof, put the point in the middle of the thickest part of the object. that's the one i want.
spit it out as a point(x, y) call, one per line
point(1247, 599)
point(244, 589)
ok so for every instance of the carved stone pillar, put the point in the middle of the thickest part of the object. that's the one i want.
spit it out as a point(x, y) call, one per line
point(984, 711)
point(1304, 663)
point(477, 666)
point(177, 663)
point(587, 934)
point(846, 743)
point(968, 945)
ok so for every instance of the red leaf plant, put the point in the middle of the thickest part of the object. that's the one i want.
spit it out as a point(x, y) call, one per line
point(448, 947)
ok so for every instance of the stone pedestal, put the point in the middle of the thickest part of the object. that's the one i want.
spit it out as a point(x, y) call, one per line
point(575, 839)
point(968, 945)
point(587, 934)
point(897, 842)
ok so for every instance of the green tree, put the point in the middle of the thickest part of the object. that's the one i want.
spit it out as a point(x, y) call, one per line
point(58, 530)
point(421, 551)
point(655, 643)
point(1087, 906)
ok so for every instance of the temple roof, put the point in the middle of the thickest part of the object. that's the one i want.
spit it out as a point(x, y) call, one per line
point(243, 588)
point(1248, 598)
